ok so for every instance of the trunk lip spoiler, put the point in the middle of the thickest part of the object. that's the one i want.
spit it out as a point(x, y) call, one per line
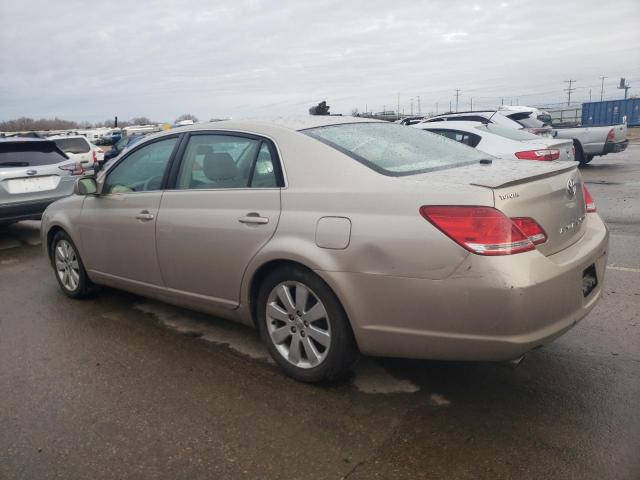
point(525, 179)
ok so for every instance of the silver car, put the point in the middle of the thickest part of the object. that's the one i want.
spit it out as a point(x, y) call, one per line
point(33, 174)
point(336, 236)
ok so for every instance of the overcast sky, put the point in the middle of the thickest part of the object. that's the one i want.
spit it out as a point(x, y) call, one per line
point(92, 60)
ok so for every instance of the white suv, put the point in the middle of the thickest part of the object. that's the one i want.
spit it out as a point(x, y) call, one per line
point(77, 148)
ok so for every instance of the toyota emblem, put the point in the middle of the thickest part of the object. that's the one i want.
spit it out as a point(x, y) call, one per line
point(571, 187)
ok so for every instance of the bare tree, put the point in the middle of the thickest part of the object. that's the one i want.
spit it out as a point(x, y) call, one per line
point(25, 123)
point(140, 121)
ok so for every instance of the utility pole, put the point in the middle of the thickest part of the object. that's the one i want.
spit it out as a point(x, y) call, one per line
point(450, 106)
point(472, 104)
point(419, 109)
point(589, 94)
point(411, 100)
point(502, 101)
point(602, 87)
point(457, 95)
point(398, 111)
point(569, 90)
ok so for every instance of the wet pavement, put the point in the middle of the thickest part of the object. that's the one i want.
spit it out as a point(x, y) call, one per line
point(123, 387)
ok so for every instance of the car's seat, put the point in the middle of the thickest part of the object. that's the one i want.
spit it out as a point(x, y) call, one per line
point(221, 170)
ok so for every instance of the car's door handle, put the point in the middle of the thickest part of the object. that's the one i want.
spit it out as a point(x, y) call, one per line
point(253, 217)
point(145, 215)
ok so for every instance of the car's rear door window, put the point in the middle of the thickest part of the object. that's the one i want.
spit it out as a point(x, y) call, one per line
point(393, 149)
point(30, 154)
point(212, 161)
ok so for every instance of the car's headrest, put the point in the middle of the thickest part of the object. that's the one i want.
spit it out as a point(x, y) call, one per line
point(219, 166)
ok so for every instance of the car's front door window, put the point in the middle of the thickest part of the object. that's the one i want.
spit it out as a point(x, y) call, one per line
point(143, 170)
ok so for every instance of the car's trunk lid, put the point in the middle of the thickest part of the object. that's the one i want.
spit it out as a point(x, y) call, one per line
point(549, 192)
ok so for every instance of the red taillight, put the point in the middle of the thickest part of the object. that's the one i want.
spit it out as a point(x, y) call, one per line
point(481, 230)
point(611, 136)
point(543, 155)
point(531, 229)
point(74, 168)
point(588, 200)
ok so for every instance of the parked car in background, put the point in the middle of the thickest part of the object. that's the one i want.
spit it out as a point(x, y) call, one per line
point(33, 173)
point(589, 142)
point(121, 144)
point(526, 121)
point(98, 153)
point(503, 142)
point(338, 235)
point(412, 120)
point(77, 148)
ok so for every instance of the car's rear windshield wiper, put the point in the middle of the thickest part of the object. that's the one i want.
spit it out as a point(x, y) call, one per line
point(14, 164)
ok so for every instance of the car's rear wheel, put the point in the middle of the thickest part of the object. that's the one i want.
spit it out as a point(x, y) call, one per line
point(304, 326)
point(67, 264)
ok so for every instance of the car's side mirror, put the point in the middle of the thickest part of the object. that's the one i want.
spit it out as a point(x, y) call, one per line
point(85, 186)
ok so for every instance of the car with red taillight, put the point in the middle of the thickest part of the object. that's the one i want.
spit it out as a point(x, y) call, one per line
point(33, 173)
point(588, 142)
point(502, 142)
point(336, 236)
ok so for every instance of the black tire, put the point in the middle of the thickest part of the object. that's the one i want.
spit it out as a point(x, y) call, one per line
point(342, 352)
point(581, 158)
point(84, 287)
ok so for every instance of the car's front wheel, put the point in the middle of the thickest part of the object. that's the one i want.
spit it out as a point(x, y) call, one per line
point(69, 269)
point(304, 326)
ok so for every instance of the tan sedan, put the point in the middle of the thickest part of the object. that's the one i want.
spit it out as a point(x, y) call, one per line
point(335, 235)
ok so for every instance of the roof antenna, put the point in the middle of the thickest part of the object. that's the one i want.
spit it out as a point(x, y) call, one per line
point(489, 119)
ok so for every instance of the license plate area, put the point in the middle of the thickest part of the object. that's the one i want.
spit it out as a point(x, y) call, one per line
point(33, 184)
point(589, 280)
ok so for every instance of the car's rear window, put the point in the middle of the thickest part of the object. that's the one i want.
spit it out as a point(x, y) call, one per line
point(73, 145)
point(395, 150)
point(29, 154)
point(526, 119)
point(519, 135)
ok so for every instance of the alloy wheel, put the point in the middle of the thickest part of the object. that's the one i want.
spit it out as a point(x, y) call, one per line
point(67, 266)
point(298, 324)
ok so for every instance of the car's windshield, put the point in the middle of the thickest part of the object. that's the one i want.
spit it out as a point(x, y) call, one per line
point(519, 135)
point(393, 149)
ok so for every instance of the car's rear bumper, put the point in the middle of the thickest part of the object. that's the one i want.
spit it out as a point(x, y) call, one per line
point(612, 147)
point(490, 309)
point(32, 210)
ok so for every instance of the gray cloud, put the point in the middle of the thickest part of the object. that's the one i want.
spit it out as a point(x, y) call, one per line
point(86, 60)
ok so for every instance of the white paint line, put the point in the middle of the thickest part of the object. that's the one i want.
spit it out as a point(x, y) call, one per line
point(623, 269)
point(372, 378)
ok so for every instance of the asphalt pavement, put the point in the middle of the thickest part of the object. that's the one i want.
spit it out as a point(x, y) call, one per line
point(119, 386)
